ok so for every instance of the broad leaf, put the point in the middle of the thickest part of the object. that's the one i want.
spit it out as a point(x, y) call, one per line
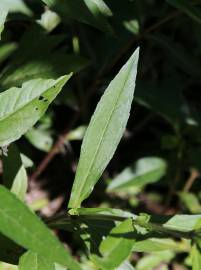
point(22, 107)
point(144, 171)
point(117, 247)
point(27, 230)
point(105, 131)
point(32, 261)
point(14, 173)
point(188, 8)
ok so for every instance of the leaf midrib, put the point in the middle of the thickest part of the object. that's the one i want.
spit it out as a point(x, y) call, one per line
point(101, 141)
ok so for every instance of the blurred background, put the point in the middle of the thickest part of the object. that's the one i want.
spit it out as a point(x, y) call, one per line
point(156, 168)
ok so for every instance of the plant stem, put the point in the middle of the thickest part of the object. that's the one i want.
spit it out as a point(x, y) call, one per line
point(63, 219)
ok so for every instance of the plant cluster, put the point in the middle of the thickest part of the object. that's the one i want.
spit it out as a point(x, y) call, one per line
point(138, 209)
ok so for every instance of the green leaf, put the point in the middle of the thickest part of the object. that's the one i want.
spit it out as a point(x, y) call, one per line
point(6, 50)
point(14, 173)
point(3, 15)
point(104, 131)
point(76, 134)
point(5, 266)
point(144, 171)
point(157, 244)
point(27, 162)
point(22, 107)
point(59, 267)
point(49, 20)
point(196, 257)
point(40, 139)
point(154, 260)
point(188, 8)
point(92, 12)
point(27, 230)
point(183, 223)
point(47, 61)
point(44, 68)
point(191, 202)
point(32, 261)
point(117, 247)
point(15, 6)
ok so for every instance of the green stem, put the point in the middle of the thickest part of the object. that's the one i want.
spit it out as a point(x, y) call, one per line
point(152, 227)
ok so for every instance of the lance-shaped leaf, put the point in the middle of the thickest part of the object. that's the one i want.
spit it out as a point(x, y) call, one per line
point(27, 230)
point(32, 261)
point(105, 131)
point(22, 107)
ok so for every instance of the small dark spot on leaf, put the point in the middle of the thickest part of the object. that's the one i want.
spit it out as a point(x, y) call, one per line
point(46, 100)
point(41, 98)
point(36, 109)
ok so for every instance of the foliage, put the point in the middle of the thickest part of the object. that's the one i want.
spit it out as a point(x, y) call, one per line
point(137, 209)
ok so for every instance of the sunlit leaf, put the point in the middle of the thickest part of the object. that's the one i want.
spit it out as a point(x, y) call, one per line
point(32, 261)
point(104, 131)
point(27, 230)
point(22, 107)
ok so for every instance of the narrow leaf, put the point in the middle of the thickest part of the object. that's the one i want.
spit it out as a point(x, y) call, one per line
point(22, 107)
point(105, 131)
point(14, 173)
point(32, 261)
point(27, 230)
